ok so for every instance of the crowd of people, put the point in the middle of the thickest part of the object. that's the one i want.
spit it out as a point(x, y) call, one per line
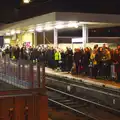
point(101, 62)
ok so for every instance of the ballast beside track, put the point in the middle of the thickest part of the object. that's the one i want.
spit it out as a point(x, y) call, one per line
point(85, 108)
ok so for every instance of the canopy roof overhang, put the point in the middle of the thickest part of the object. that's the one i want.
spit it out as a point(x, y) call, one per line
point(61, 20)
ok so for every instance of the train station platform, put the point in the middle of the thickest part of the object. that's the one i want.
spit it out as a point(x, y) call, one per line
point(84, 79)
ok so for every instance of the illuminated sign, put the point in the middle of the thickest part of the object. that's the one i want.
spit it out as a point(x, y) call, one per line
point(77, 40)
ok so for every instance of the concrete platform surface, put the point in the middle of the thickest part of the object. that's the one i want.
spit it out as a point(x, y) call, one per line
point(78, 78)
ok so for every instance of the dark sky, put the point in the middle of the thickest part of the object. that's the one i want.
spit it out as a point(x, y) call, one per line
point(12, 10)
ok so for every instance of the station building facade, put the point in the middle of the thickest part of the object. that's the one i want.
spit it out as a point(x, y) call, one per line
point(44, 29)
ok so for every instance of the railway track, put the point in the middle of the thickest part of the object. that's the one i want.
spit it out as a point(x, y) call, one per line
point(97, 96)
point(88, 85)
point(85, 108)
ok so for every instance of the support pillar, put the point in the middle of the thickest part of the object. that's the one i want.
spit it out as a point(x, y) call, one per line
point(85, 34)
point(35, 38)
point(55, 37)
point(21, 42)
point(44, 37)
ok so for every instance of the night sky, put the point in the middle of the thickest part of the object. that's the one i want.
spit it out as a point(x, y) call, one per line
point(14, 10)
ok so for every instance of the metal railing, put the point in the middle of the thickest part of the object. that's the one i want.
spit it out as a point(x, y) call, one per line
point(22, 73)
point(30, 102)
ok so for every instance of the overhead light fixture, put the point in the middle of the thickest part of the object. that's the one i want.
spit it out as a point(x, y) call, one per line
point(26, 1)
point(18, 31)
point(59, 25)
point(39, 29)
point(12, 32)
point(31, 30)
point(73, 24)
point(48, 27)
point(7, 34)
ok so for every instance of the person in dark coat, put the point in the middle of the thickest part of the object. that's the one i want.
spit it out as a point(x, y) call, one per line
point(77, 60)
point(85, 60)
point(22, 52)
point(69, 59)
point(63, 57)
point(117, 60)
point(17, 52)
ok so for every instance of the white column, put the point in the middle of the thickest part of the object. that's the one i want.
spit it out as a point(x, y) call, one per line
point(44, 37)
point(85, 34)
point(21, 42)
point(35, 38)
point(55, 37)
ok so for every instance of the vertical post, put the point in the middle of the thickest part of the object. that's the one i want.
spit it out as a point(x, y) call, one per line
point(38, 74)
point(43, 107)
point(55, 37)
point(5, 64)
point(19, 108)
point(85, 34)
point(31, 75)
point(1, 109)
point(35, 38)
point(9, 67)
point(31, 108)
point(19, 69)
point(23, 72)
point(21, 39)
point(44, 37)
point(43, 75)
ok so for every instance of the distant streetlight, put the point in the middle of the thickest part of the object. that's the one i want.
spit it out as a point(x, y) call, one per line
point(26, 1)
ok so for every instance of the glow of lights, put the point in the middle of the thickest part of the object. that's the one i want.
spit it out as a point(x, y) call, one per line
point(48, 27)
point(26, 1)
point(59, 25)
point(8, 34)
point(12, 32)
point(31, 30)
point(39, 29)
point(73, 24)
point(18, 31)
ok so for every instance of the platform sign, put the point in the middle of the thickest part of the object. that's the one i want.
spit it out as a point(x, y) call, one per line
point(77, 40)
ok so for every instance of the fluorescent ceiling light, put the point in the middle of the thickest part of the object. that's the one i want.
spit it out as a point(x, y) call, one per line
point(31, 30)
point(18, 31)
point(48, 28)
point(12, 32)
point(39, 29)
point(8, 34)
point(59, 25)
point(73, 24)
point(26, 1)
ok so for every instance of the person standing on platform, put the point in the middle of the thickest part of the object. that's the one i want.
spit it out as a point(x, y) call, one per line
point(77, 60)
point(117, 60)
point(17, 52)
point(94, 64)
point(57, 59)
point(106, 63)
point(85, 60)
point(63, 57)
point(69, 59)
point(10, 51)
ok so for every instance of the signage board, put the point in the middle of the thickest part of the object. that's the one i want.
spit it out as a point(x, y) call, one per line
point(77, 40)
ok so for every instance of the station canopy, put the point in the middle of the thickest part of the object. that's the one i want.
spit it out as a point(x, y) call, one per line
point(61, 20)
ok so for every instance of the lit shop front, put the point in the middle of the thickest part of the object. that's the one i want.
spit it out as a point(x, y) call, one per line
point(22, 38)
point(10, 40)
point(27, 39)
